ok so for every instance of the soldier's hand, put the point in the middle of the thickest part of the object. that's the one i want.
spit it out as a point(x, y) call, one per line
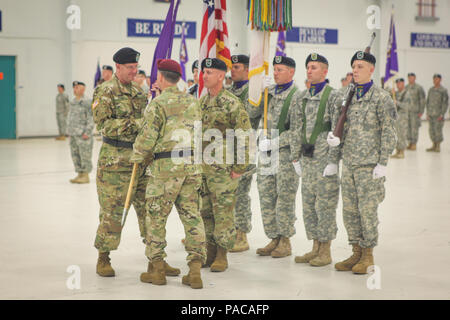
point(85, 136)
point(266, 82)
point(379, 171)
point(155, 88)
point(235, 175)
point(441, 118)
point(330, 170)
point(332, 140)
point(419, 115)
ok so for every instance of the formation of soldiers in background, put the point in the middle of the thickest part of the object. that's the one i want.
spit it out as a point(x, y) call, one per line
point(213, 200)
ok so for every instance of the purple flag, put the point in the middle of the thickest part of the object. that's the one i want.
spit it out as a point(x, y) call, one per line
point(281, 44)
point(163, 48)
point(183, 54)
point(391, 61)
point(98, 74)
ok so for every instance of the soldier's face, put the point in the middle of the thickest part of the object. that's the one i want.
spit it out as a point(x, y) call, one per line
point(126, 72)
point(212, 77)
point(411, 79)
point(60, 90)
point(400, 85)
point(106, 75)
point(362, 71)
point(436, 81)
point(195, 75)
point(80, 90)
point(283, 74)
point(239, 72)
point(316, 72)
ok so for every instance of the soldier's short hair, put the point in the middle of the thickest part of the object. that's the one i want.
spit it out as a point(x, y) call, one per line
point(170, 76)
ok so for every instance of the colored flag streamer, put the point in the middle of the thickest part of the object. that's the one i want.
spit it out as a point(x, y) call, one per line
point(270, 15)
point(281, 44)
point(98, 74)
point(163, 48)
point(391, 60)
point(183, 53)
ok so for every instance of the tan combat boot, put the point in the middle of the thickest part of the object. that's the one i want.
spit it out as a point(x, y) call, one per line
point(241, 242)
point(60, 138)
point(365, 261)
point(267, 250)
point(399, 154)
point(310, 255)
point(283, 249)
point(412, 147)
point(75, 180)
point(104, 268)
point(83, 178)
point(220, 264)
point(193, 278)
point(432, 148)
point(211, 251)
point(324, 256)
point(348, 264)
point(170, 272)
point(158, 275)
point(438, 147)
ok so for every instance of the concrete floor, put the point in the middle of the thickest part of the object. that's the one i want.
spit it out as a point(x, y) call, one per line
point(48, 225)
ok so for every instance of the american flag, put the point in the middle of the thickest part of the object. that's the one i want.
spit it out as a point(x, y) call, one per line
point(214, 36)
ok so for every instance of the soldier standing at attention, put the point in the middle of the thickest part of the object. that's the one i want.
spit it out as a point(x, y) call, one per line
point(402, 103)
point(117, 111)
point(437, 105)
point(194, 88)
point(243, 213)
point(277, 189)
point(79, 127)
point(367, 142)
point(309, 152)
point(141, 81)
point(175, 179)
point(62, 109)
point(221, 110)
point(416, 108)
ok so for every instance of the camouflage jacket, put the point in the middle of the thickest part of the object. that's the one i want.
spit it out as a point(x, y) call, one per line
point(254, 113)
point(321, 148)
point(223, 112)
point(416, 98)
point(369, 132)
point(79, 120)
point(437, 102)
point(169, 125)
point(117, 110)
point(62, 103)
point(402, 100)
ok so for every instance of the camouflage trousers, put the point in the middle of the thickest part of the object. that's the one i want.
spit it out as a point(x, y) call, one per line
point(243, 210)
point(218, 202)
point(361, 195)
point(436, 129)
point(81, 151)
point(112, 188)
point(402, 130)
point(277, 194)
point(320, 197)
point(61, 119)
point(414, 123)
point(162, 195)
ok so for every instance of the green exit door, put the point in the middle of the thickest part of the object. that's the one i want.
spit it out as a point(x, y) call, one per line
point(7, 97)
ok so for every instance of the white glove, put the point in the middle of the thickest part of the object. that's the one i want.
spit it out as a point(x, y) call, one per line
point(379, 171)
point(265, 145)
point(298, 168)
point(332, 140)
point(266, 82)
point(330, 170)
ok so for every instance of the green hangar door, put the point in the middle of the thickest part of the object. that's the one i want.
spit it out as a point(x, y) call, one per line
point(7, 97)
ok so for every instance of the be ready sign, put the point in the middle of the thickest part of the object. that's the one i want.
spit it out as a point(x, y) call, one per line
point(153, 28)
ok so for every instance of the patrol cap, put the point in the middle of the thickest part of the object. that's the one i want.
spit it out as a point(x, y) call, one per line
point(400, 80)
point(361, 55)
point(284, 60)
point(60, 85)
point(106, 67)
point(80, 83)
point(169, 65)
point(316, 57)
point(194, 65)
point(437, 75)
point(411, 74)
point(142, 72)
point(240, 58)
point(214, 63)
point(126, 55)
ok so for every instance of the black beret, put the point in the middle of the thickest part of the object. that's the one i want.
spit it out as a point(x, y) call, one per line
point(126, 55)
point(60, 85)
point(142, 72)
point(284, 60)
point(240, 58)
point(400, 80)
point(361, 55)
point(214, 63)
point(106, 67)
point(316, 57)
point(411, 74)
point(437, 75)
point(194, 65)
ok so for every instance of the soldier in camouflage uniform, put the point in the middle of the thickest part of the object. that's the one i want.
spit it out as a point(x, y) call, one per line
point(369, 138)
point(62, 109)
point(79, 127)
point(243, 213)
point(221, 110)
point(437, 105)
point(174, 178)
point(278, 186)
point(402, 102)
point(309, 151)
point(117, 110)
point(193, 89)
point(416, 107)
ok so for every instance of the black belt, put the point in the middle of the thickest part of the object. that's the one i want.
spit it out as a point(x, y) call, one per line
point(118, 143)
point(176, 154)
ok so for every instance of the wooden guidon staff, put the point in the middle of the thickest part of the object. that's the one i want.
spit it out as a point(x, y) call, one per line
point(130, 191)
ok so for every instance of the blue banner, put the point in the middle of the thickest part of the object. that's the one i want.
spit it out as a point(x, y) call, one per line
point(153, 28)
point(430, 40)
point(312, 35)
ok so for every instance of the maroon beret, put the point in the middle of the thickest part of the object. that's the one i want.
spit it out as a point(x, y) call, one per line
point(169, 65)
